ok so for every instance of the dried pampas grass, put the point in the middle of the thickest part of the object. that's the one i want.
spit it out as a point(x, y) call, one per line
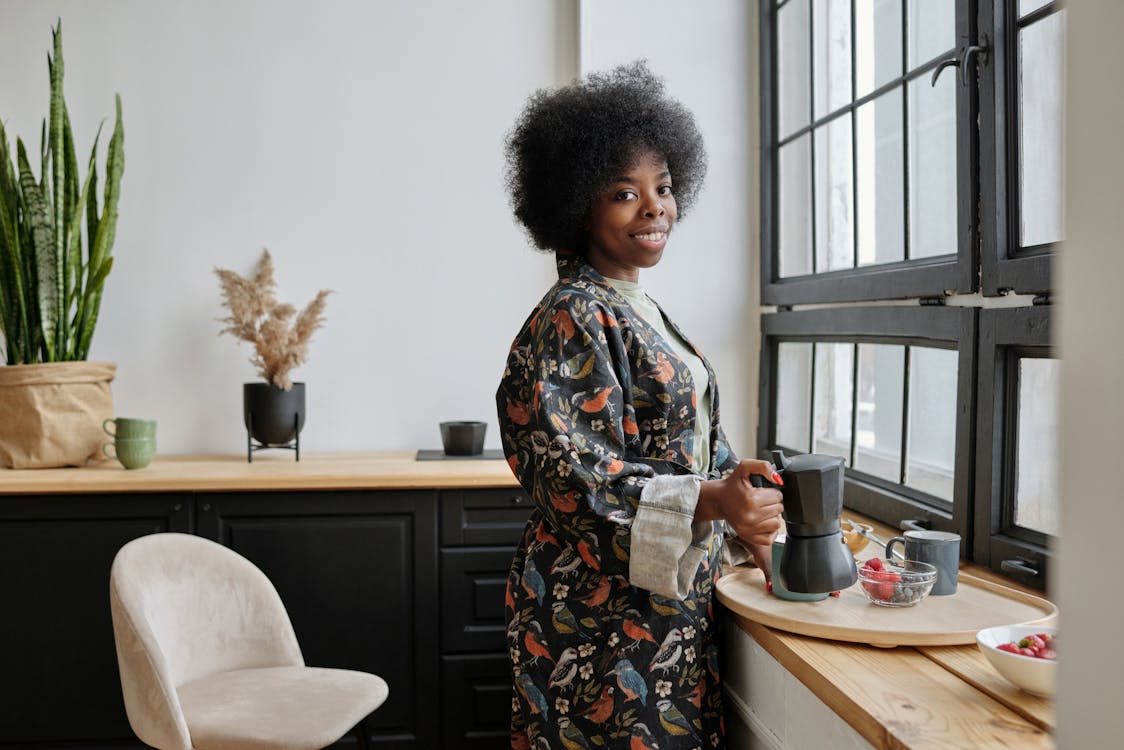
point(257, 317)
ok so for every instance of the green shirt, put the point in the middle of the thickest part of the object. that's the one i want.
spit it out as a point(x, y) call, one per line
point(647, 309)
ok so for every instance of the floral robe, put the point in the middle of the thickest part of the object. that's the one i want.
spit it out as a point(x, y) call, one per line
point(592, 405)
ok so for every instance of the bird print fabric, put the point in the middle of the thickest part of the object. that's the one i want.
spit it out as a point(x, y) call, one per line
point(593, 404)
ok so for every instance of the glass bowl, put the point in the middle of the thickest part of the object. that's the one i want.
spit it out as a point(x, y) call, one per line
point(897, 584)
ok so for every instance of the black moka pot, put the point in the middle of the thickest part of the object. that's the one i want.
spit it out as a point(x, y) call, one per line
point(815, 559)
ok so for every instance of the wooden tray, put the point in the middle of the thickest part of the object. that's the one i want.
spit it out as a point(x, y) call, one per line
point(934, 621)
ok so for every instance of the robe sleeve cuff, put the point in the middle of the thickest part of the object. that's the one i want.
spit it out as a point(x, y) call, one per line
point(667, 547)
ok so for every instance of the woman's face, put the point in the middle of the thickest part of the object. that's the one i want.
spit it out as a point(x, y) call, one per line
point(629, 222)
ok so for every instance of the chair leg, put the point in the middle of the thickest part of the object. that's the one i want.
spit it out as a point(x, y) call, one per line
point(361, 735)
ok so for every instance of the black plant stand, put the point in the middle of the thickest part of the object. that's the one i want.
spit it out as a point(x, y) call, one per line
point(273, 417)
point(252, 447)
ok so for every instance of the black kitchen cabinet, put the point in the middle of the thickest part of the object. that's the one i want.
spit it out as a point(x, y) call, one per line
point(59, 682)
point(480, 530)
point(407, 584)
point(357, 573)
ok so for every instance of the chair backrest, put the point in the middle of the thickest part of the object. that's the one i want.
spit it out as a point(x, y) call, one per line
point(184, 607)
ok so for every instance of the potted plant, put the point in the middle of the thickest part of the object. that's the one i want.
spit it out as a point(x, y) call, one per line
point(55, 245)
point(273, 411)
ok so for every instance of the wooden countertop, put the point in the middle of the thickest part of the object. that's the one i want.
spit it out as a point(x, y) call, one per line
point(916, 697)
point(381, 470)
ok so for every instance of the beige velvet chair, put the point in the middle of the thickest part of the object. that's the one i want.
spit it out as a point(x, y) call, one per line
point(209, 660)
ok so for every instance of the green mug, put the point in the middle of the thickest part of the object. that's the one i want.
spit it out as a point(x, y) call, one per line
point(127, 428)
point(133, 453)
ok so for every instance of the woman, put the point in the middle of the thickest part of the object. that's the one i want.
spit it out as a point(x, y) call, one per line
point(609, 419)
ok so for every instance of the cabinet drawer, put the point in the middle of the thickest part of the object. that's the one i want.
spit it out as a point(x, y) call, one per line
point(476, 695)
point(472, 589)
point(478, 517)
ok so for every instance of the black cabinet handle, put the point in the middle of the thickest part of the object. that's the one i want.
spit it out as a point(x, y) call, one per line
point(517, 500)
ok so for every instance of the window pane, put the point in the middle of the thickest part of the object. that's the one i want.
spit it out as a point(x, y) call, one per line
point(1037, 491)
point(794, 237)
point(794, 394)
point(932, 30)
point(880, 172)
point(835, 200)
point(878, 428)
point(832, 50)
point(793, 76)
point(1041, 130)
point(834, 378)
point(1028, 6)
point(931, 458)
point(878, 43)
point(932, 167)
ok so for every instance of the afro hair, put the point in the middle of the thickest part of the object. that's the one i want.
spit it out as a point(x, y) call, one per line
point(569, 144)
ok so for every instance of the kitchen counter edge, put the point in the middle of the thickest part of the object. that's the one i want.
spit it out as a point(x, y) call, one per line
point(227, 473)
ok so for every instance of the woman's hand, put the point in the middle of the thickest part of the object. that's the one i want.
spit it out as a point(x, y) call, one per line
point(762, 558)
point(754, 513)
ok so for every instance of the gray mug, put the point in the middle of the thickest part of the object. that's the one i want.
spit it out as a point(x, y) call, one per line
point(939, 548)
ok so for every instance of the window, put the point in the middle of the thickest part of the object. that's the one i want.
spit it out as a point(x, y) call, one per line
point(879, 387)
point(867, 163)
point(1017, 484)
point(912, 151)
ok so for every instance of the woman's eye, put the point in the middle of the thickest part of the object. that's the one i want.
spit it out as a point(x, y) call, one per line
point(625, 195)
point(665, 190)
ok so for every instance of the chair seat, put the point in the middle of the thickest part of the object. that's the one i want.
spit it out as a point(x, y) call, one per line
point(280, 708)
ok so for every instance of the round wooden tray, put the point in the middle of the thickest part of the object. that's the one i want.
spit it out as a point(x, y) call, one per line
point(934, 621)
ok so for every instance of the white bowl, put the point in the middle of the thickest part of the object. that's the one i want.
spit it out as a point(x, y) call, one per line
point(1034, 675)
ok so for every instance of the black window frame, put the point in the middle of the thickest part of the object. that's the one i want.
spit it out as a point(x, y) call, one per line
point(990, 262)
point(1005, 266)
point(925, 277)
point(1005, 336)
point(937, 326)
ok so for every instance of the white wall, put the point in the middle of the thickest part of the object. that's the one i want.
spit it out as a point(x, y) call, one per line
point(361, 142)
point(1090, 270)
point(707, 280)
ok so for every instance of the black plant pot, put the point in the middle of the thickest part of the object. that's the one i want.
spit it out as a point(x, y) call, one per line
point(273, 417)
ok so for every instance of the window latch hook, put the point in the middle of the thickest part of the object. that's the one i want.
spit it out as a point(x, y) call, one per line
point(966, 54)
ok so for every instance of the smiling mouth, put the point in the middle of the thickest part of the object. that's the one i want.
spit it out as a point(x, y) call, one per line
point(651, 236)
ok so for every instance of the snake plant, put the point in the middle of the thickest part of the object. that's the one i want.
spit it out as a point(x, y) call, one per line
point(51, 276)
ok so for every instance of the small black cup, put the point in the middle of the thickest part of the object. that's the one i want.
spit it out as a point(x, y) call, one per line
point(463, 438)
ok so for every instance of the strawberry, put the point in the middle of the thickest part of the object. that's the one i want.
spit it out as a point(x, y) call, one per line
point(874, 563)
point(1038, 646)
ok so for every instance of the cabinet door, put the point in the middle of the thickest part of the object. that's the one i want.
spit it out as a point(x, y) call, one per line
point(357, 572)
point(476, 692)
point(59, 680)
